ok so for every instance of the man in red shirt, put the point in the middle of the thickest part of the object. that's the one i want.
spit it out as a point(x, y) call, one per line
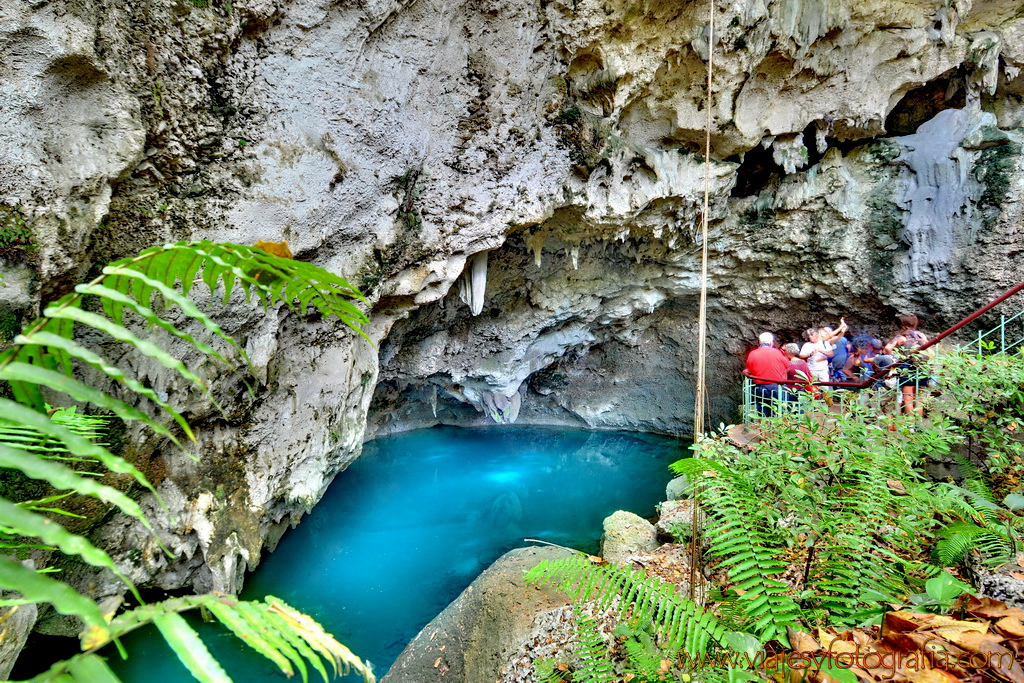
point(772, 366)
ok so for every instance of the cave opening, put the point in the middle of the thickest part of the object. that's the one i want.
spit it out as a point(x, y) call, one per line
point(923, 103)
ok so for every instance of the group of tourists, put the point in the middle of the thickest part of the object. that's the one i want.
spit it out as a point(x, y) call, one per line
point(834, 357)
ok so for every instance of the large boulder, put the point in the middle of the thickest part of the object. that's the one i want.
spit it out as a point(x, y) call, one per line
point(471, 639)
point(626, 535)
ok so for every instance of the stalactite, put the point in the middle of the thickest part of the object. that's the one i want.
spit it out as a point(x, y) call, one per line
point(535, 243)
point(473, 282)
point(789, 152)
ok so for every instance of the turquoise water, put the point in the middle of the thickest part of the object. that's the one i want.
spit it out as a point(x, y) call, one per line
point(411, 523)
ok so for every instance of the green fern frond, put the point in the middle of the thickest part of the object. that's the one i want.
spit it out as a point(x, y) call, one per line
point(43, 358)
point(959, 538)
point(973, 478)
point(134, 284)
point(594, 663)
point(286, 637)
point(680, 623)
point(545, 669)
point(745, 542)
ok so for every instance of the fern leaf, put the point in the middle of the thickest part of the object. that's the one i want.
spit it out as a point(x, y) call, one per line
point(254, 615)
point(79, 391)
point(98, 362)
point(676, 618)
point(187, 306)
point(25, 523)
point(340, 657)
point(955, 541)
point(546, 671)
point(190, 649)
point(36, 587)
point(25, 394)
point(62, 477)
point(149, 316)
point(75, 444)
point(300, 646)
point(90, 669)
point(123, 334)
point(251, 636)
point(595, 665)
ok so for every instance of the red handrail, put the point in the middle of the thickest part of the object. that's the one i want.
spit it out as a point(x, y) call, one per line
point(885, 371)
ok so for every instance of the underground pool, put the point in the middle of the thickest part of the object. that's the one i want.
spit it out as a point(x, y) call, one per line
point(414, 520)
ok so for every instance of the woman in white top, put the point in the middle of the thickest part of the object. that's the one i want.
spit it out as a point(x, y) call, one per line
point(819, 349)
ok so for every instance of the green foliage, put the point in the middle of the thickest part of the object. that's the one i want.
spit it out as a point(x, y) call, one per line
point(827, 520)
point(288, 638)
point(17, 241)
point(983, 396)
point(818, 495)
point(594, 664)
point(745, 542)
point(43, 447)
point(656, 624)
point(978, 522)
point(546, 671)
point(681, 624)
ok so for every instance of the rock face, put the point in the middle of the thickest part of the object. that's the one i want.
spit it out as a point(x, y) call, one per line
point(476, 634)
point(517, 186)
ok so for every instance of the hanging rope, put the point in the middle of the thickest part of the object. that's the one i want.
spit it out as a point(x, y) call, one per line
point(701, 390)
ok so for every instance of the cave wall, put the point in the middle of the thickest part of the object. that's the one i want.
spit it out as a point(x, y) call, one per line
point(547, 155)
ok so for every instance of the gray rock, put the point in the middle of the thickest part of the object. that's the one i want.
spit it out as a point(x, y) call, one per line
point(471, 639)
point(16, 623)
point(1002, 587)
point(677, 488)
point(625, 535)
point(675, 518)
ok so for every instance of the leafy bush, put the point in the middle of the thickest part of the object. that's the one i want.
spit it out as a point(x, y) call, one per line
point(43, 447)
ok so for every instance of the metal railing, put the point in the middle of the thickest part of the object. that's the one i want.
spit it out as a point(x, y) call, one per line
point(883, 397)
point(1003, 337)
point(869, 387)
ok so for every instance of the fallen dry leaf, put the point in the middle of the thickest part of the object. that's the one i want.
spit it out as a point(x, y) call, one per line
point(275, 248)
point(901, 622)
point(896, 487)
point(930, 676)
point(802, 642)
point(989, 608)
point(1017, 575)
point(944, 625)
point(825, 638)
point(1011, 626)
